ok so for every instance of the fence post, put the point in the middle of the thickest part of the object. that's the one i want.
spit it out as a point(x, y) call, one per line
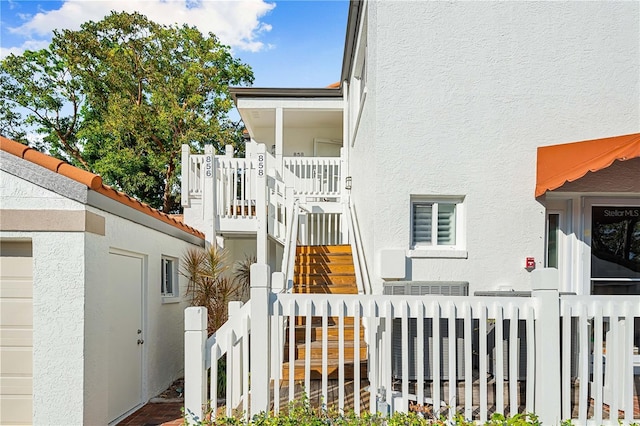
point(544, 286)
point(260, 343)
point(195, 378)
point(236, 353)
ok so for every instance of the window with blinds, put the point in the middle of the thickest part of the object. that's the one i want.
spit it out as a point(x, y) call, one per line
point(433, 223)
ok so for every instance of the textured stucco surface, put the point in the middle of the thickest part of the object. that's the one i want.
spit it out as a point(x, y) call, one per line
point(16, 193)
point(58, 333)
point(70, 278)
point(45, 178)
point(162, 322)
point(460, 94)
point(58, 305)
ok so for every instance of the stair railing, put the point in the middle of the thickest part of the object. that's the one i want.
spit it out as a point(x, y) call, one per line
point(291, 241)
point(362, 273)
point(276, 208)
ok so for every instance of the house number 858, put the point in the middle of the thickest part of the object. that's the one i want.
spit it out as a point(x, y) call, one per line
point(260, 165)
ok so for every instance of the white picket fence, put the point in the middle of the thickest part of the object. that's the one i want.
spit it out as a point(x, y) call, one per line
point(553, 360)
point(605, 332)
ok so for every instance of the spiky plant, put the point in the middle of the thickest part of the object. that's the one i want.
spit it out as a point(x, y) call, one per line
point(207, 285)
point(242, 275)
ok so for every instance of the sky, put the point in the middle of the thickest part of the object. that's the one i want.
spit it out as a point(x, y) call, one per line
point(287, 43)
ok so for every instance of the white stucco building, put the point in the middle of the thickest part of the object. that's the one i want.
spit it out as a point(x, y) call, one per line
point(91, 301)
point(480, 162)
point(442, 120)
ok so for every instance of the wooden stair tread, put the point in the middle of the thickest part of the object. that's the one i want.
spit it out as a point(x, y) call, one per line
point(324, 270)
point(343, 248)
point(315, 368)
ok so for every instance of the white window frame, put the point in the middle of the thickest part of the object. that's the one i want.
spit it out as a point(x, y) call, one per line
point(434, 250)
point(174, 295)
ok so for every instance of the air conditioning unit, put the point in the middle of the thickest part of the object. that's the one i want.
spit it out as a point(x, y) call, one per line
point(422, 288)
point(521, 347)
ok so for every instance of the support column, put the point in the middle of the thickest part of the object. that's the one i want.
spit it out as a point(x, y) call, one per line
point(210, 214)
point(279, 139)
point(544, 286)
point(261, 205)
point(260, 338)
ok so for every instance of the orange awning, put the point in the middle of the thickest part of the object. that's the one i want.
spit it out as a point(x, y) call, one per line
point(558, 164)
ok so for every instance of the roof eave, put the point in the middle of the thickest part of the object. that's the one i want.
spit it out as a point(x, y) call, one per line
point(283, 92)
point(353, 24)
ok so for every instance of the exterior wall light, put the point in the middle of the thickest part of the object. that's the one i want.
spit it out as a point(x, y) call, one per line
point(347, 183)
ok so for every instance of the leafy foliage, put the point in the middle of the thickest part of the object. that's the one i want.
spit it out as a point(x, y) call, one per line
point(302, 413)
point(120, 96)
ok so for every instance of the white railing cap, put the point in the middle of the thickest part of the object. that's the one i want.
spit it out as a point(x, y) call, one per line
point(195, 318)
point(544, 279)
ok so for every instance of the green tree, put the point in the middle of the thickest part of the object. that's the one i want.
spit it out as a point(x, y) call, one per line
point(120, 96)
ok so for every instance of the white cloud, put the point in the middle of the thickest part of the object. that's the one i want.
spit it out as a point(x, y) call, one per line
point(237, 23)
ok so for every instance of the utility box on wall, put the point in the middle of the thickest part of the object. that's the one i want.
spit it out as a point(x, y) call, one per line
point(392, 264)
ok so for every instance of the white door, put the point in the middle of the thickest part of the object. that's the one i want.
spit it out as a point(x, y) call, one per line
point(326, 147)
point(125, 335)
point(16, 340)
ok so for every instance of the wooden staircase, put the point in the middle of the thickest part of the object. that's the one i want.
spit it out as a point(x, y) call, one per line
point(324, 270)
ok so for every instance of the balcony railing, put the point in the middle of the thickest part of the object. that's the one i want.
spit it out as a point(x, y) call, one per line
point(313, 176)
point(235, 186)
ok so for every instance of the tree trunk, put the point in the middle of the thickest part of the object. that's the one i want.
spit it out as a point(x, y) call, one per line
point(166, 197)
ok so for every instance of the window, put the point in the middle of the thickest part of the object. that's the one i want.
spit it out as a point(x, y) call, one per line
point(436, 225)
point(553, 239)
point(615, 249)
point(169, 285)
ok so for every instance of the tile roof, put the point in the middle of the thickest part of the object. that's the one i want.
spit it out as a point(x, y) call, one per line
point(92, 181)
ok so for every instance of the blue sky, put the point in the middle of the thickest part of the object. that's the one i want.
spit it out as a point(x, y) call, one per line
point(287, 43)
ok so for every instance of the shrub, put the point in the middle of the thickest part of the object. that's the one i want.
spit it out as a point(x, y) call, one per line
point(301, 413)
point(208, 286)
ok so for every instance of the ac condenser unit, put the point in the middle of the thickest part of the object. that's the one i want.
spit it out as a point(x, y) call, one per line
point(422, 288)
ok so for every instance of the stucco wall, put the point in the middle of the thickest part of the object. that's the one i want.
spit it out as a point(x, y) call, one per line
point(70, 277)
point(463, 93)
point(163, 325)
point(363, 164)
point(58, 305)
